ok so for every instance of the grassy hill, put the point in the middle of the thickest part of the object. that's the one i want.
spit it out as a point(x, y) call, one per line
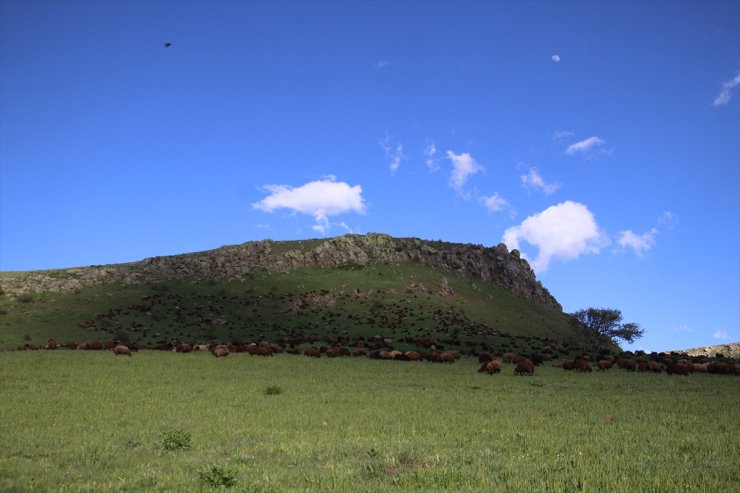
point(464, 297)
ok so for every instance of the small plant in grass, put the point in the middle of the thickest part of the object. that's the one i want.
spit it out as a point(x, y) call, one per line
point(176, 440)
point(24, 298)
point(217, 476)
point(374, 467)
point(274, 390)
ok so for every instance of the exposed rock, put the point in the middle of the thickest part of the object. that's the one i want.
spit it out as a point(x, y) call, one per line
point(444, 289)
point(731, 350)
point(233, 262)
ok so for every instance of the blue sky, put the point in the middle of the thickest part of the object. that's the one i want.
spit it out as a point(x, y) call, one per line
point(600, 138)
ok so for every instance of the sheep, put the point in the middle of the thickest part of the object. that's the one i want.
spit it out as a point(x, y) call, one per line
point(312, 352)
point(677, 368)
point(122, 351)
point(491, 367)
point(220, 351)
point(413, 356)
point(583, 366)
point(524, 366)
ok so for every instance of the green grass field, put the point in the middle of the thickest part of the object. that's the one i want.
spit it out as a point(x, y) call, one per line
point(89, 421)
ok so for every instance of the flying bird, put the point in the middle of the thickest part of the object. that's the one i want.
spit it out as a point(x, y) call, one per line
point(167, 45)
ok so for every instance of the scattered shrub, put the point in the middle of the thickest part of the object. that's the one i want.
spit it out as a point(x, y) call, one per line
point(176, 440)
point(24, 298)
point(273, 390)
point(217, 477)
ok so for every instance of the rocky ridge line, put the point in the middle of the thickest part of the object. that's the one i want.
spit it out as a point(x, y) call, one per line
point(731, 350)
point(494, 264)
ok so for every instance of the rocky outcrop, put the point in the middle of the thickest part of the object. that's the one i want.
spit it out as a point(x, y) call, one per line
point(731, 350)
point(495, 264)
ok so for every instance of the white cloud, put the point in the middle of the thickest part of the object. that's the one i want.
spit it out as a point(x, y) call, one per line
point(394, 154)
point(463, 166)
point(640, 244)
point(495, 203)
point(564, 231)
point(668, 219)
point(722, 335)
point(430, 152)
point(726, 93)
point(381, 64)
point(533, 180)
point(683, 328)
point(556, 58)
point(319, 199)
point(562, 134)
point(585, 146)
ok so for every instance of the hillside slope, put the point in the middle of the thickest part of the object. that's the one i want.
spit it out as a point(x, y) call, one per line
point(404, 289)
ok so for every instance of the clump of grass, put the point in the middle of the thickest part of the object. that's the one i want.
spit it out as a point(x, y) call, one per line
point(274, 390)
point(373, 468)
point(216, 476)
point(24, 298)
point(177, 440)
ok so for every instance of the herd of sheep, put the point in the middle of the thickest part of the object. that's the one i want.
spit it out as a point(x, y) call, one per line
point(672, 364)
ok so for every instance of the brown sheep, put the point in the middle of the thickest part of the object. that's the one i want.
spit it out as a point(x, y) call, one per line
point(605, 364)
point(221, 351)
point(448, 356)
point(183, 348)
point(122, 351)
point(569, 365)
point(509, 357)
point(51, 344)
point(677, 368)
point(332, 352)
point(91, 345)
point(413, 356)
point(491, 367)
point(312, 352)
point(583, 366)
point(524, 366)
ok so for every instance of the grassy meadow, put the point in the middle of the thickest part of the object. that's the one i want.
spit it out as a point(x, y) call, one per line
point(91, 422)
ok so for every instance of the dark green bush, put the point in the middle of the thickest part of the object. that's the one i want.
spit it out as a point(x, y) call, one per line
point(274, 390)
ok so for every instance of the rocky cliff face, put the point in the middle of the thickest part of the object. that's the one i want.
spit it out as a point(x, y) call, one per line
point(496, 264)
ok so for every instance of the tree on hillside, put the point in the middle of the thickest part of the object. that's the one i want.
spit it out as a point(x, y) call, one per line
point(608, 322)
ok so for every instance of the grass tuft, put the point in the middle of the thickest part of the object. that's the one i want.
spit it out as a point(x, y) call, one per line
point(274, 390)
point(217, 477)
point(177, 440)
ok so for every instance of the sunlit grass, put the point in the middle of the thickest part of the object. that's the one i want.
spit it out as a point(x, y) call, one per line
point(87, 421)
